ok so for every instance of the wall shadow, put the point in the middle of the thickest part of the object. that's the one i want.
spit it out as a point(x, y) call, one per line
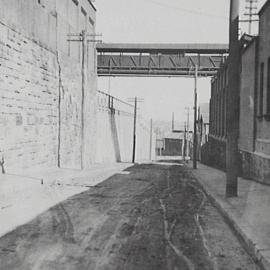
point(114, 133)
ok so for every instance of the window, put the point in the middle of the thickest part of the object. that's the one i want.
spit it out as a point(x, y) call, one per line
point(261, 90)
point(268, 88)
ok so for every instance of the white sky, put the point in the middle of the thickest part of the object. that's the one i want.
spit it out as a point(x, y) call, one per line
point(162, 21)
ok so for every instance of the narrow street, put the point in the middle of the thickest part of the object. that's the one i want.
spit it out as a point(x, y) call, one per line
point(150, 216)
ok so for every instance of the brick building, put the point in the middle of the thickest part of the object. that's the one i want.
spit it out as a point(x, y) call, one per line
point(47, 84)
point(254, 138)
point(254, 106)
point(216, 148)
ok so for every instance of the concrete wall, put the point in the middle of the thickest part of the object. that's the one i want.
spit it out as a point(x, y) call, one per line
point(41, 84)
point(115, 132)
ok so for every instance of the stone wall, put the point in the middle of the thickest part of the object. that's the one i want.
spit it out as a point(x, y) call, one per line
point(256, 166)
point(41, 110)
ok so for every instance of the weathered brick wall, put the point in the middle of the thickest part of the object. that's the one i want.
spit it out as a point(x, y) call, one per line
point(41, 85)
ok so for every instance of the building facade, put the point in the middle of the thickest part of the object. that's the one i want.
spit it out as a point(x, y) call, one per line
point(254, 106)
point(47, 84)
point(254, 138)
point(216, 148)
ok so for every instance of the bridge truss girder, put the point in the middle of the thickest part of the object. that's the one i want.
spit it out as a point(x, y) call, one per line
point(142, 64)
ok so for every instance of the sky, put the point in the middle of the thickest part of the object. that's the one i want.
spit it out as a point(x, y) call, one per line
point(162, 21)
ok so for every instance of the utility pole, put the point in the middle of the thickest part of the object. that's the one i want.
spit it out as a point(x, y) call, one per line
point(135, 100)
point(172, 121)
point(151, 137)
point(251, 12)
point(185, 142)
point(233, 102)
point(195, 120)
point(84, 75)
point(134, 130)
point(187, 108)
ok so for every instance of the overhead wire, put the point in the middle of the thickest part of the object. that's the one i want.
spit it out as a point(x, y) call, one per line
point(199, 13)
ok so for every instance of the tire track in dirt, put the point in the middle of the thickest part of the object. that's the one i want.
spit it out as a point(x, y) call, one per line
point(167, 235)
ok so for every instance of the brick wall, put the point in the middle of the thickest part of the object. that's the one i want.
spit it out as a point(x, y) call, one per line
point(256, 166)
point(247, 98)
point(214, 154)
point(263, 117)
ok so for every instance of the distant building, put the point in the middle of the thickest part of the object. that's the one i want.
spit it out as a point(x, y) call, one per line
point(176, 143)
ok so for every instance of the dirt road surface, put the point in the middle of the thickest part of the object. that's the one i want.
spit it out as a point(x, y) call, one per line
point(149, 217)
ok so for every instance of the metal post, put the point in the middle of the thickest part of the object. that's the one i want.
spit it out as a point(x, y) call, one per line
point(151, 135)
point(233, 103)
point(134, 130)
point(195, 120)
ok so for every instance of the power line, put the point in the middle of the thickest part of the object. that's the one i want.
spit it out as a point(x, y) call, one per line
point(199, 13)
point(251, 12)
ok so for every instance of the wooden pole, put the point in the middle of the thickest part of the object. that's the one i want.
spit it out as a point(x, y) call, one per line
point(151, 137)
point(185, 143)
point(84, 47)
point(232, 159)
point(134, 131)
point(195, 120)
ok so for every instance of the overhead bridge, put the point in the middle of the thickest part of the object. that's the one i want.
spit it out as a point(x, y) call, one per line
point(159, 59)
